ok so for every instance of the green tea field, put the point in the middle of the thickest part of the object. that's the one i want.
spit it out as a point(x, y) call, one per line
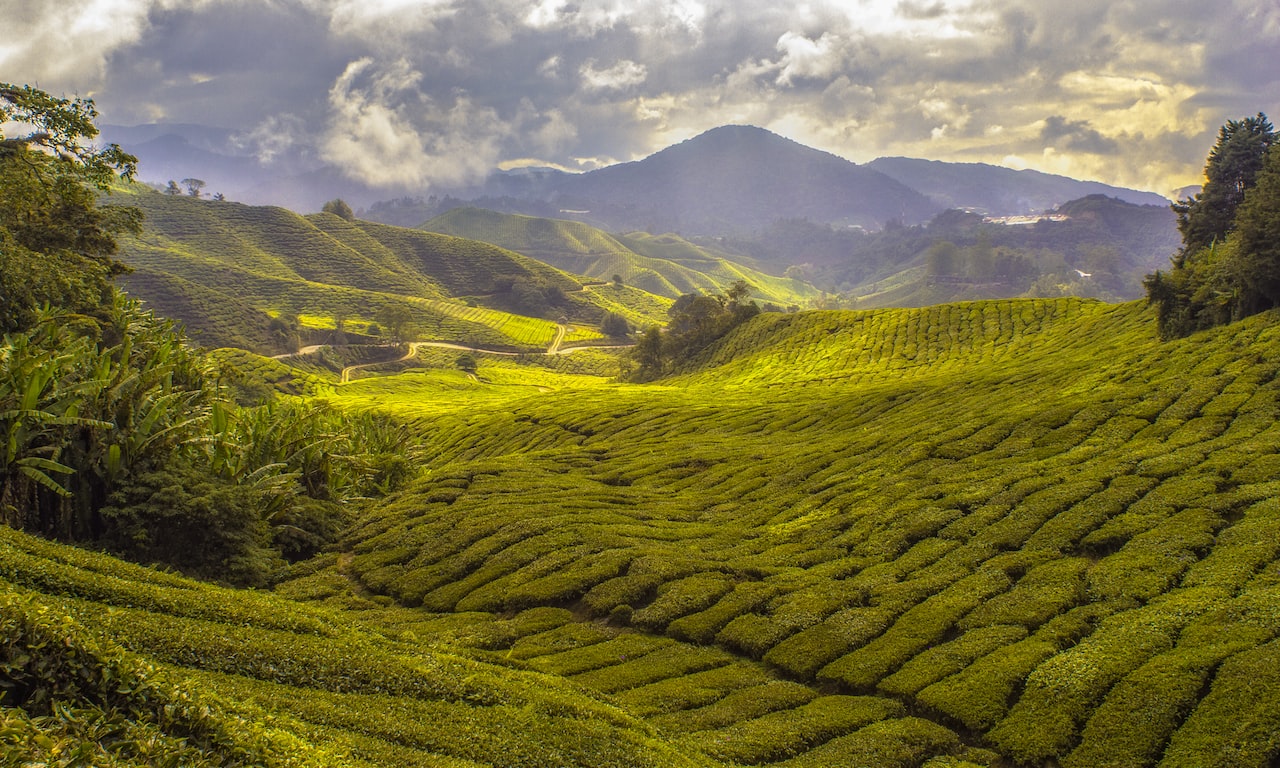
point(998, 533)
point(1002, 533)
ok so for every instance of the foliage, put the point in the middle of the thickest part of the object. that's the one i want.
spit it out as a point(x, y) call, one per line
point(230, 678)
point(1230, 171)
point(57, 245)
point(615, 325)
point(1227, 268)
point(696, 321)
point(338, 207)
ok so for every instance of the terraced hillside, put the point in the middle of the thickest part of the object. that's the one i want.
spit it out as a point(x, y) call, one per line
point(667, 265)
point(993, 533)
point(224, 269)
point(109, 664)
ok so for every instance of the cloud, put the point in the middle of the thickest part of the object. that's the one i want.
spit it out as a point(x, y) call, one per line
point(1129, 92)
point(65, 45)
point(1076, 136)
point(619, 77)
point(385, 133)
point(273, 138)
point(804, 58)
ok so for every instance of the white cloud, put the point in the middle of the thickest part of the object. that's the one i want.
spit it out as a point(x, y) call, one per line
point(621, 76)
point(273, 137)
point(803, 57)
point(64, 45)
point(384, 133)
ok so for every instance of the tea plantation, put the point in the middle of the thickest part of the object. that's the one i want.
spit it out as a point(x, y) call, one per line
point(1005, 532)
point(1001, 533)
point(225, 269)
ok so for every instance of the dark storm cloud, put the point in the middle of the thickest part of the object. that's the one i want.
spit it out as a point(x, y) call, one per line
point(1076, 136)
point(410, 91)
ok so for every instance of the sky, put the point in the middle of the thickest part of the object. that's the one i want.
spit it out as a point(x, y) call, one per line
point(413, 93)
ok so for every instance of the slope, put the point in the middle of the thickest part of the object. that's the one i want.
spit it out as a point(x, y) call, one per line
point(665, 265)
point(1016, 531)
point(322, 268)
point(213, 676)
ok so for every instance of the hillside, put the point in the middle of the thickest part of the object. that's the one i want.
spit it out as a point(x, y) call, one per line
point(150, 669)
point(854, 538)
point(224, 269)
point(665, 265)
point(980, 534)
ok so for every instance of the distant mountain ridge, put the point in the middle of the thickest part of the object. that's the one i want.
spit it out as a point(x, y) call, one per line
point(726, 181)
point(999, 191)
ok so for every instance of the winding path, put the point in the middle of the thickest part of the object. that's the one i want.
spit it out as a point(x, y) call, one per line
point(414, 346)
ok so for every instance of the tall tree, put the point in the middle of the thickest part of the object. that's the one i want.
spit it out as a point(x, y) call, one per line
point(195, 187)
point(1229, 264)
point(1231, 169)
point(1257, 239)
point(57, 244)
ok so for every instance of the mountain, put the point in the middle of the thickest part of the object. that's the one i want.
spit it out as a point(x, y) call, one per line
point(998, 191)
point(738, 179)
point(666, 265)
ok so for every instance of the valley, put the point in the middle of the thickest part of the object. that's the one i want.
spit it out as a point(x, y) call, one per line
point(496, 489)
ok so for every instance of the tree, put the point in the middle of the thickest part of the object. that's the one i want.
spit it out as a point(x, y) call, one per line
point(1232, 167)
point(1257, 239)
point(194, 186)
point(942, 258)
point(396, 319)
point(56, 242)
point(1229, 265)
point(284, 330)
point(648, 355)
point(173, 190)
point(696, 322)
point(615, 325)
point(338, 207)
